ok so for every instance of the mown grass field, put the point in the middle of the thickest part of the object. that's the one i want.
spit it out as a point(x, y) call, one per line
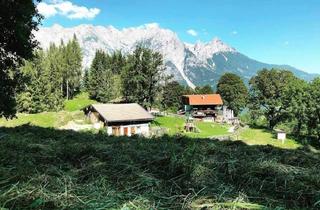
point(42, 167)
point(45, 168)
point(72, 111)
point(254, 136)
point(251, 136)
point(45, 119)
point(174, 125)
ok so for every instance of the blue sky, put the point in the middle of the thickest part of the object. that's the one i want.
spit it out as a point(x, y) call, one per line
point(272, 31)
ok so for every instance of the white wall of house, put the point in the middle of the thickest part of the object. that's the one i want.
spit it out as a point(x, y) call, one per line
point(140, 129)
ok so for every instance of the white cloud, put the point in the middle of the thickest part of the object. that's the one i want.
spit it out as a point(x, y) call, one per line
point(234, 32)
point(152, 25)
point(192, 32)
point(66, 8)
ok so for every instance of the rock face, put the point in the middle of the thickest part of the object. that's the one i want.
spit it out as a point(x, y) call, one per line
point(191, 64)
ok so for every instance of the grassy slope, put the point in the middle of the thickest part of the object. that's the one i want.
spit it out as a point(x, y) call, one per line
point(52, 119)
point(44, 168)
point(45, 119)
point(175, 125)
point(263, 137)
point(79, 102)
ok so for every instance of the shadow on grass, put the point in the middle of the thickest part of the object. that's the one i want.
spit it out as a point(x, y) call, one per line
point(54, 169)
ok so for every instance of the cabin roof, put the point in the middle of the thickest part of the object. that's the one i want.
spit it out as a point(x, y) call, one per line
point(203, 99)
point(122, 112)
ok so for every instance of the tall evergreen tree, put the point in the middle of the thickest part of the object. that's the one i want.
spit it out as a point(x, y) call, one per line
point(73, 69)
point(85, 80)
point(101, 79)
point(117, 62)
point(172, 93)
point(142, 76)
point(42, 90)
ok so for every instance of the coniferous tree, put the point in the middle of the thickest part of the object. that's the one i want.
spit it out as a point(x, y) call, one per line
point(85, 80)
point(142, 76)
point(42, 90)
point(72, 68)
point(172, 93)
point(207, 89)
point(117, 62)
point(101, 78)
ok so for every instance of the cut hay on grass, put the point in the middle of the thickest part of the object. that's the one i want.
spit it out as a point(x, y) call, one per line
point(44, 168)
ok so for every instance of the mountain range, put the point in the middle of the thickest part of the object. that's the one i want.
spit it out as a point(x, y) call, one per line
point(191, 64)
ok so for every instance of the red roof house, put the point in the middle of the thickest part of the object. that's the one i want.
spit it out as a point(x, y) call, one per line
point(203, 99)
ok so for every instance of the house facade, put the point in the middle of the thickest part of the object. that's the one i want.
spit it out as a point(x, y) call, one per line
point(203, 105)
point(120, 119)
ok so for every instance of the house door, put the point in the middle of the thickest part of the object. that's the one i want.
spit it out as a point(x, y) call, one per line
point(126, 131)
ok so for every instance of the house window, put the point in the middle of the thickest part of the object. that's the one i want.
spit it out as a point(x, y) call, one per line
point(116, 131)
point(138, 129)
point(133, 130)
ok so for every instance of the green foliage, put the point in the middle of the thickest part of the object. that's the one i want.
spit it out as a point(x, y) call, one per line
point(171, 96)
point(71, 72)
point(49, 77)
point(42, 89)
point(314, 108)
point(142, 75)
point(296, 102)
point(56, 169)
point(17, 21)
point(104, 82)
point(207, 89)
point(233, 92)
point(85, 80)
point(267, 93)
point(287, 102)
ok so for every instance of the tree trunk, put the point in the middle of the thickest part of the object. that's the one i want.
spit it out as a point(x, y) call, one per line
point(271, 124)
point(67, 89)
point(299, 126)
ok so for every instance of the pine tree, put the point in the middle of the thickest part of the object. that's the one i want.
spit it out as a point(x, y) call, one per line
point(142, 76)
point(71, 61)
point(172, 93)
point(42, 90)
point(85, 80)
